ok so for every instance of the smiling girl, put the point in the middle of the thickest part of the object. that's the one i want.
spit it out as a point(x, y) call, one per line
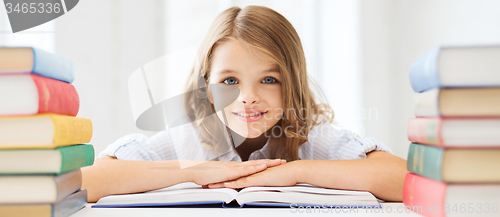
point(274, 115)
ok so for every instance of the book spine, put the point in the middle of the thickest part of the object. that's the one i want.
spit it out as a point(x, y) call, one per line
point(68, 183)
point(71, 130)
point(424, 196)
point(76, 156)
point(425, 161)
point(424, 73)
point(53, 66)
point(23, 210)
point(425, 131)
point(71, 204)
point(56, 96)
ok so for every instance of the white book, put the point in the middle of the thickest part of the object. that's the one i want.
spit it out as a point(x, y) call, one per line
point(190, 194)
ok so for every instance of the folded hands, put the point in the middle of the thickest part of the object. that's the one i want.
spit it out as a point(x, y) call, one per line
point(218, 174)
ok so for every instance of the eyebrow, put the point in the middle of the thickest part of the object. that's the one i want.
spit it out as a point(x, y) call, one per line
point(228, 71)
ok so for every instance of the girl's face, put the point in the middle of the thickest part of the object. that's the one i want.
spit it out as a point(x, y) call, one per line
point(259, 105)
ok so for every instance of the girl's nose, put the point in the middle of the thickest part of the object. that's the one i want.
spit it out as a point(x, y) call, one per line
point(252, 102)
point(248, 95)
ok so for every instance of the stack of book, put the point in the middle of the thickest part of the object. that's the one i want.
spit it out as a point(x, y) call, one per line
point(454, 157)
point(40, 138)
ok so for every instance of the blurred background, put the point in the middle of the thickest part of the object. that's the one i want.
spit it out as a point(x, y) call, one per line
point(359, 51)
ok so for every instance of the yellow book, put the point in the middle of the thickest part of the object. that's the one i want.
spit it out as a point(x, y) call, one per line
point(43, 131)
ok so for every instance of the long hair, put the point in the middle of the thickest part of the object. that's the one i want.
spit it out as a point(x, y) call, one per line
point(271, 33)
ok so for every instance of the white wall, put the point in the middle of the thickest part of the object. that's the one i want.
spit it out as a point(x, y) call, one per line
point(108, 40)
point(397, 32)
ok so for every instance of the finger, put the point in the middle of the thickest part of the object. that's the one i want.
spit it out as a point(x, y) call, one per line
point(231, 173)
point(264, 178)
point(216, 185)
point(243, 182)
point(246, 171)
point(268, 162)
point(258, 179)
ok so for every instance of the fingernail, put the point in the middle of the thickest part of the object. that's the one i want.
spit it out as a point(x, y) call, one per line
point(227, 183)
point(263, 165)
point(283, 161)
point(277, 159)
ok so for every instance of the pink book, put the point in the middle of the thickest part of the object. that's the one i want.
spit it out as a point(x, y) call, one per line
point(455, 132)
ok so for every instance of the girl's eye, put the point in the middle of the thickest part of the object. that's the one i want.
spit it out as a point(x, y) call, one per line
point(230, 81)
point(269, 80)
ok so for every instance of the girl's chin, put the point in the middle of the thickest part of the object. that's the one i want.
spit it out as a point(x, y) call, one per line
point(253, 136)
point(247, 134)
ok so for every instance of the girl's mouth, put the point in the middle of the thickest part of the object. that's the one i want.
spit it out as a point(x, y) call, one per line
point(249, 116)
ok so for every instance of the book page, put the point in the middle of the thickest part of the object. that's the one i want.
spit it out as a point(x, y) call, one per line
point(184, 192)
point(190, 187)
point(306, 198)
point(305, 194)
point(305, 188)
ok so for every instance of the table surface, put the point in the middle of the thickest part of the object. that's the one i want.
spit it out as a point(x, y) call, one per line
point(388, 209)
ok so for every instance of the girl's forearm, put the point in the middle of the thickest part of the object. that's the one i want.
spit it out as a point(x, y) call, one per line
point(382, 174)
point(107, 177)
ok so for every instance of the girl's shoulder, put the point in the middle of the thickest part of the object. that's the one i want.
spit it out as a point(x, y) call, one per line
point(328, 141)
point(138, 146)
point(159, 147)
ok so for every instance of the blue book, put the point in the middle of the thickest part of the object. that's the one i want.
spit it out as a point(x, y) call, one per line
point(37, 61)
point(190, 195)
point(458, 66)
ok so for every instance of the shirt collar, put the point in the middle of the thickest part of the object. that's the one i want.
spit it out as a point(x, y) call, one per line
point(232, 155)
point(262, 153)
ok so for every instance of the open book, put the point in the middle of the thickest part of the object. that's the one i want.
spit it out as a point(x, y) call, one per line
point(192, 195)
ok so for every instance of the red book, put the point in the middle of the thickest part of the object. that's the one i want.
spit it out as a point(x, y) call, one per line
point(438, 199)
point(29, 94)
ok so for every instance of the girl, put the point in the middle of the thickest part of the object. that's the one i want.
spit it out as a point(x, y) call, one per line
point(273, 114)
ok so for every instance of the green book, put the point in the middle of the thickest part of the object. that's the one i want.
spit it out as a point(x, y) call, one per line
point(455, 165)
point(425, 161)
point(46, 161)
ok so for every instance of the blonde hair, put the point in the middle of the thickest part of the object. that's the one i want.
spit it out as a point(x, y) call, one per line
point(271, 33)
